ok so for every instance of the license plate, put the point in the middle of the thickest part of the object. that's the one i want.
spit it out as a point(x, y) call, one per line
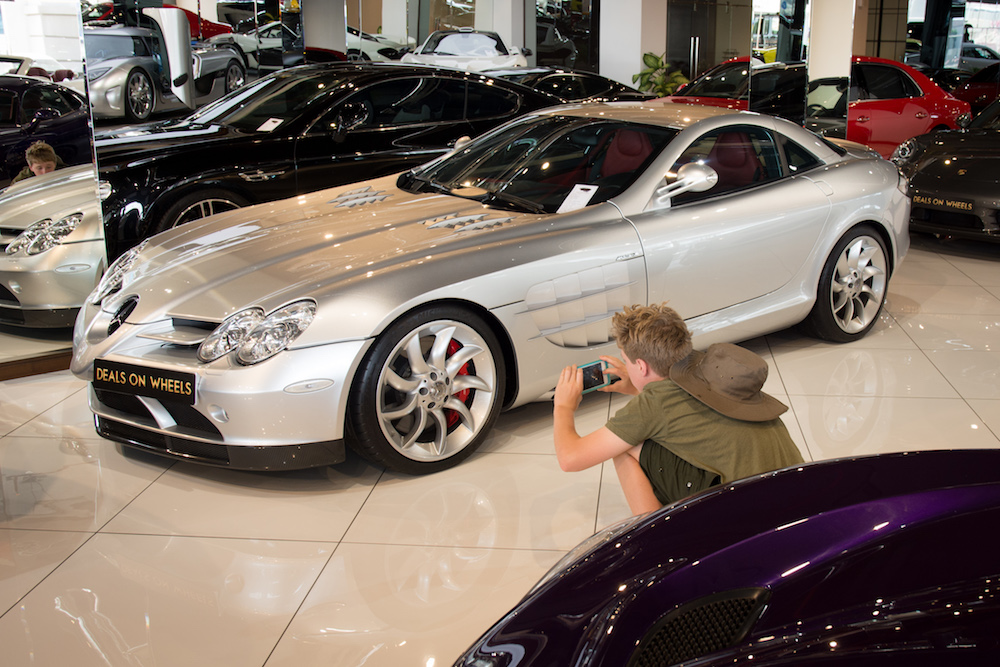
point(943, 202)
point(140, 381)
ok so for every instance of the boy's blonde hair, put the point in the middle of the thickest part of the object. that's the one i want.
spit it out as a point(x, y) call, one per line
point(655, 333)
point(39, 152)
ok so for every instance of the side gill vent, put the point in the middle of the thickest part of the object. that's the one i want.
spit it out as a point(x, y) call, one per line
point(575, 310)
point(701, 627)
point(466, 223)
point(359, 197)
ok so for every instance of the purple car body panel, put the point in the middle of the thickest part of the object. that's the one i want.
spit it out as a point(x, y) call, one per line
point(889, 559)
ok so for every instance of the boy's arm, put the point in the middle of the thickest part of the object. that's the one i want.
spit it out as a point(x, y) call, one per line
point(573, 451)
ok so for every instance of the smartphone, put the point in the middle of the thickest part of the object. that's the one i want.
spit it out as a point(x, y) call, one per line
point(594, 376)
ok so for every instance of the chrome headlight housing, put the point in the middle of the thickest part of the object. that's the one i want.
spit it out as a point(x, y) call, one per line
point(114, 278)
point(905, 152)
point(256, 337)
point(44, 235)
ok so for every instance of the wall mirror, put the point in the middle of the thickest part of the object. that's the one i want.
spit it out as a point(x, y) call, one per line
point(43, 40)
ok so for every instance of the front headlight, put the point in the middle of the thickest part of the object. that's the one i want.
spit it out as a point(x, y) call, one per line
point(44, 234)
point(905, 152)
point(256, 337)
point(276, 331)
point(230, 334)
point(114, 278)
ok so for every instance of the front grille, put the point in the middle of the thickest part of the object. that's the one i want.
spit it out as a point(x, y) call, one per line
point(699, 628)
point(162, 442)
point(186, 416)
point(7, 297)
point(953, 219)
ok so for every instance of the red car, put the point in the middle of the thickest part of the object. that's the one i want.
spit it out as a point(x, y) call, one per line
point(885, 102)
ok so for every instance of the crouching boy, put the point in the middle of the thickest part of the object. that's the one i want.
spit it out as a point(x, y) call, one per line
point(698, 419)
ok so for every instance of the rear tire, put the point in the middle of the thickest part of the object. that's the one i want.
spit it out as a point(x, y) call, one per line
point(852, 287)
point(428, 391)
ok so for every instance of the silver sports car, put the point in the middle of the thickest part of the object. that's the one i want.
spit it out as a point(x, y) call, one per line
point(400, 315)
point(52, 237)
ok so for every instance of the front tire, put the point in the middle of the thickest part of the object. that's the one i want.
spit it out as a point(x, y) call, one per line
point(428, 391)
point(852, 287)
point(140, 98)
point(199, 205)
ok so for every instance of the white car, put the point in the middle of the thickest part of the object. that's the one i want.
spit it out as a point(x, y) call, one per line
point(53, 240)
point(262, 47)
point(362, 46)
point(468, 49)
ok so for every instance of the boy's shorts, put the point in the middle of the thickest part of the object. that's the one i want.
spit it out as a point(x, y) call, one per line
point(672, 477)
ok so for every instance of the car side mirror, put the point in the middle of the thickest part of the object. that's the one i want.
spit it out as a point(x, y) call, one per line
point(526, 52)
point(691, 177)
point(352, 115)
point(41, 115)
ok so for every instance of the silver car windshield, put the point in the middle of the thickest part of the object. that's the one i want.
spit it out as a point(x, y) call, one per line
point(536, 163)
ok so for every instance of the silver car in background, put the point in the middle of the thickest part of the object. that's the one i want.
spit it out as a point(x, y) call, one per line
point(52, 238)
point(126, 77)
point(400, 315)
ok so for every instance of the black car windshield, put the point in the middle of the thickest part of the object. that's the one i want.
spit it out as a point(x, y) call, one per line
point(547, 163)
point(271, 102)
point(480, 44)
point(729, 81)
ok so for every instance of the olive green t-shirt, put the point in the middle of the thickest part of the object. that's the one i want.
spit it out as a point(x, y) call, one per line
point(730, 448)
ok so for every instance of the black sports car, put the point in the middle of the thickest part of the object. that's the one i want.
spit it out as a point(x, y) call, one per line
point(32, 110)
point(572, 85)
point(293, 132)
point(954, 178)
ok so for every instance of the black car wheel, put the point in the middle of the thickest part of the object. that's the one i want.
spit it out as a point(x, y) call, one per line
point(236, 76)
point(427, 392)
point(199, 205)
point(357, 56)
point(852, 287)
point(139, 96)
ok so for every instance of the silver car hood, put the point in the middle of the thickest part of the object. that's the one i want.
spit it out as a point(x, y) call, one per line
point(370, 246)
point(53, 195)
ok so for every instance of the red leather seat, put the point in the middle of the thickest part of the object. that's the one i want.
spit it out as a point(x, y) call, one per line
point(627, 151)
point(734, 159)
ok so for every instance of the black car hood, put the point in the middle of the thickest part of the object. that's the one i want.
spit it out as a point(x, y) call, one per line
point(972, 156)
point(157, 139)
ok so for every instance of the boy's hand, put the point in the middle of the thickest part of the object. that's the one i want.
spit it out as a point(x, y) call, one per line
point(569, 390)
point(624, 385)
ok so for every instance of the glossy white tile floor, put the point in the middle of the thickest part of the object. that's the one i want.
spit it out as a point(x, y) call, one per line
point(107, 559)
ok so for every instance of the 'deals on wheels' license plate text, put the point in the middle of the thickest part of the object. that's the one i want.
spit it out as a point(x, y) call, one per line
point(142, 381)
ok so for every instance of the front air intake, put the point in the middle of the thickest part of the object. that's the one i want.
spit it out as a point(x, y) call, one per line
point(698, 628)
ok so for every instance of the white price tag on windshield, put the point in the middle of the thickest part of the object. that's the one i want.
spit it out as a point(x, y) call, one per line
point(578, 197)
point(269, 124)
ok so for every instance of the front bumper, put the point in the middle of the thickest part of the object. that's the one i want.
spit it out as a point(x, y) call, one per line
point(284, 413)
point(47, 290)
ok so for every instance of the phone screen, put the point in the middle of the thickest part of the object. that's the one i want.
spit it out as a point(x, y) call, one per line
point(593, 375)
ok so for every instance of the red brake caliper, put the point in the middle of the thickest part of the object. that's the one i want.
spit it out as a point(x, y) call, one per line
point(453, 417)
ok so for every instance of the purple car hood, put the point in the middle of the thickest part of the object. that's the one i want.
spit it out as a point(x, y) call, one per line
point(774, 565)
